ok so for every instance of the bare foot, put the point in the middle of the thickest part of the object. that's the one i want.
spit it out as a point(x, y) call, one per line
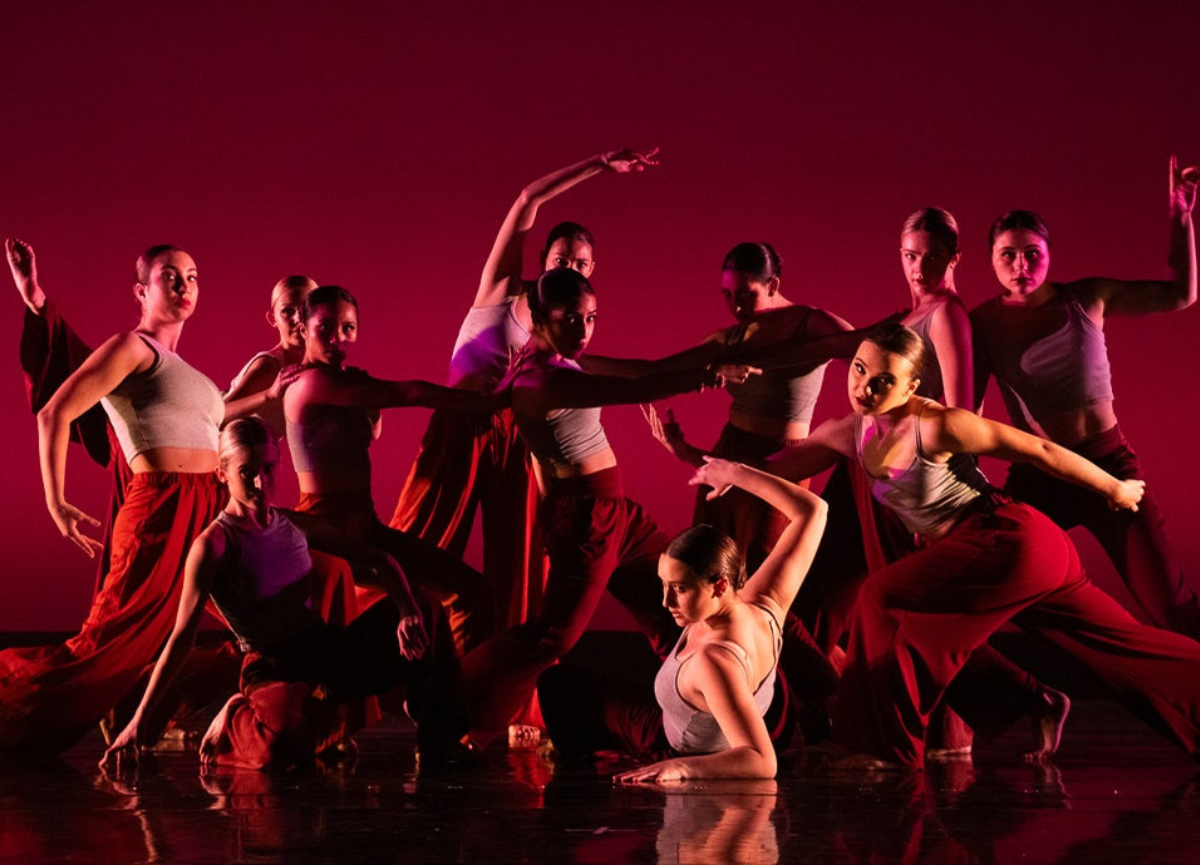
point(948, 755)
point(1047, 720)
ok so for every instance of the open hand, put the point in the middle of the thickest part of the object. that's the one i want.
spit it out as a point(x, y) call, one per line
point(411, 637)
point(68, 517)
point(1183, 186)
point(121, 758)
point(628, 161)
point(668, 434)
point(717, 473)
point(664, 772)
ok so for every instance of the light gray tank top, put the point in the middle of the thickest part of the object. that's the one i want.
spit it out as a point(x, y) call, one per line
point(1064, 371)
point(563, 436)
point(272, 412)
point(776, 395)
point(928, 496)
point(172, 404)
point(689, 730)
point(488, 340)
point(264, 593)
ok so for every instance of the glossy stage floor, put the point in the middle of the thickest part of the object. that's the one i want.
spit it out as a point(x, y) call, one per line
point(1116, 793)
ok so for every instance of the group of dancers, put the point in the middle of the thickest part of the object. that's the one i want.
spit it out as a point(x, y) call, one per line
point(875, 601)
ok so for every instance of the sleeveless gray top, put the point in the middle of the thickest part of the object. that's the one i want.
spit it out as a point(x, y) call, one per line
point(488, 340)
point(773, 394)
point(927, 496)
point(689, 730)
point(932, 385)
point(563, 436)
point(171, 404)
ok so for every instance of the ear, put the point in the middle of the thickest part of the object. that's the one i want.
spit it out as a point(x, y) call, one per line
point(271, 318)
point(222, 477)
point(772, 286)
point(720, 586)
point(954, 260)
point(139, 292)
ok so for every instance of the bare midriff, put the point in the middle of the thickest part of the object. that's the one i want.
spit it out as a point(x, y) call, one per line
point(333, 480)
point(181, 460)
point(770, 427)
point(1069, 428)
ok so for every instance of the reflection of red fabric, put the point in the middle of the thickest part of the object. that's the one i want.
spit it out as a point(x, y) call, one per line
point(474, 461)
point(50, 696)
point(597, 539)
point(917, 621)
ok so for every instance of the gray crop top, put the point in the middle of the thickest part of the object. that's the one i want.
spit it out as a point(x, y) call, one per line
point(264, 593)
point(689, 730)
point(776, 395)
point(563, 436)
point(488, 340)
point(932, 385)
point(927, 496)
point(1064, 371)
point(170, 405)
point(272, 412)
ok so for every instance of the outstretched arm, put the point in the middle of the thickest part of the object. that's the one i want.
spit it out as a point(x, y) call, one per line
point(501, 276)
point(204, 563)
point(824, 446)
point(777, 581)
point(567, 388)
point(356, 389)
point(1141, 297)
point(959, 431)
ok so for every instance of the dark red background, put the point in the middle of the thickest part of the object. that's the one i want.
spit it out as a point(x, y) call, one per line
point(378, 145)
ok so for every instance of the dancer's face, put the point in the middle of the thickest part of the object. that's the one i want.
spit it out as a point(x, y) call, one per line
point(568, 329)
point(879, 380)
point(1021, 259)
point(747, 296)
point(286, 316)
point(687, 597)
point(172, 290)
point(926, 261)
point(571, 254)
point(329, 333)
point(249, 474)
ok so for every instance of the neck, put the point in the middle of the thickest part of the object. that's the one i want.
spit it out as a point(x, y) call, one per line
point(259, 516)
point(166, 335)
point(925, 298)
point(1037, 297)
point(290, 354)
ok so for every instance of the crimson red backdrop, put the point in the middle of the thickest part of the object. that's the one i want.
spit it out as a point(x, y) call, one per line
point(378, 145)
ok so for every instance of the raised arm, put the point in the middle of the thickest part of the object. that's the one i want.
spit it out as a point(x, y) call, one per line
point(960, 431)
point(204, 563)
point(97, 377)
point(777, 581)
point(1178, 291)
point(501, 276)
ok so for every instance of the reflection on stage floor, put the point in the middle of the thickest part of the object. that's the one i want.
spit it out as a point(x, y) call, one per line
point(1116, 793)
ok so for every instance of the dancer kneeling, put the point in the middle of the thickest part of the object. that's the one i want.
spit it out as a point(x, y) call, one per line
point(716, 685)
point(254, 563)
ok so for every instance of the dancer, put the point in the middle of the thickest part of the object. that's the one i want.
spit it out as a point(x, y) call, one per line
point(595, 536)
point(253, 562)
point(475, 460)
point(717, 683)
point(332, 416)
point(984, 560)
point(769, 411)
point(285, 316)
point(165, 415)
point(1044, 343)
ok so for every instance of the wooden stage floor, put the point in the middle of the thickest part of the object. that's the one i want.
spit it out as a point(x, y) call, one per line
point(1116, 793)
